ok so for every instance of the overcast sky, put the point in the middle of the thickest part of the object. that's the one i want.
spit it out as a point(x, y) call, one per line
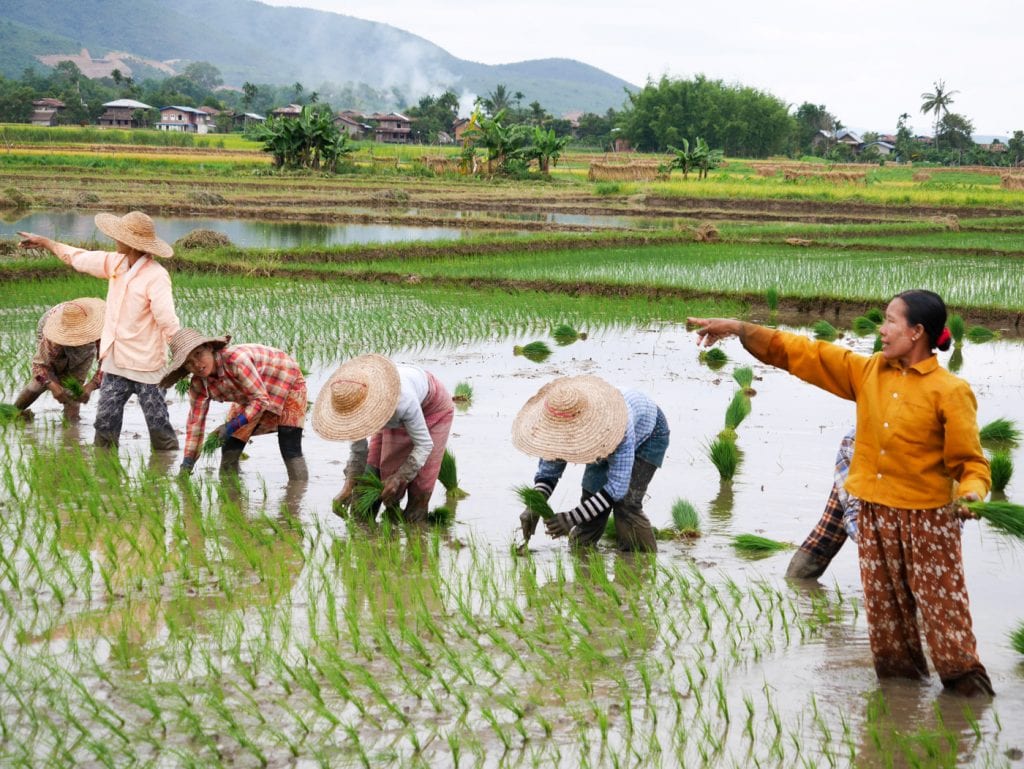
point(867, 62)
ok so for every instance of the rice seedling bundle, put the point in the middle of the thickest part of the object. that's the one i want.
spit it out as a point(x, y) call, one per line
point(211, 444)
point(956, 360)
point(565, 334)
point(1001, 464)
point(463, 393)
point(980, 334)
point(753, 543)
point(538, 352)
point(685, 519)
point(771, 296)
point(73, 386)
point(864, 326)
point(535, 501)
point(1000, 432)
point(182, 386)
point(737, 410)
point(367, 493)
point(714, 358)
point(725, 456)
point(875, 316)
point(825, 331)
point(8, 413)
point(449, 476)
point(957, 329)
point(744, 377)
point(440, 516)
point(1006, 517)
point(877, 346)
point(1017, 639)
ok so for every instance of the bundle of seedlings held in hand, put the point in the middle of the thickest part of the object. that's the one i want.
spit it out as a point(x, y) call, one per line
point(535, 501)
point(538, 352)
point(367, 493)
point(565, 334)
point(449, 477)
point(212, 443)
point(73, 386)
point(1004, 517)
point(8, 413)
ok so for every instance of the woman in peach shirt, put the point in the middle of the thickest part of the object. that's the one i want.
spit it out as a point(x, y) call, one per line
point(139, 322)
point(917, 437)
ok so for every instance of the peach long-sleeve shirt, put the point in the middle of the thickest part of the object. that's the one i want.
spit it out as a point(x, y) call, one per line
point(917, 427)
point(140, 318)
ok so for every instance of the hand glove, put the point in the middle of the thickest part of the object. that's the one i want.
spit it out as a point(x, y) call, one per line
point(187, 463)
point(392, 488)
point(528, 522)
point(558, 525)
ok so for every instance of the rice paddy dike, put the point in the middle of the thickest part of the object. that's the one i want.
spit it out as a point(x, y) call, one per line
point(149, 623)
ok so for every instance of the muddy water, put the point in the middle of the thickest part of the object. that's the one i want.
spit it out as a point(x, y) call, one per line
point(248, 233)
point(789, 441)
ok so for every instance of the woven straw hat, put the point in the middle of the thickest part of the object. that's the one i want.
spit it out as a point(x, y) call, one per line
point(136, 230)
point(77, 322)
point(573, 418)
point(184, 341)
point(358, 399)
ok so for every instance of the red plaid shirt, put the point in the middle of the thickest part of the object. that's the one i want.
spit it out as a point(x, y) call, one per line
point(255, 376)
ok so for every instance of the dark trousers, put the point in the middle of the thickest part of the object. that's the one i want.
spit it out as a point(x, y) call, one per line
point(114, 394)
point(632, 528)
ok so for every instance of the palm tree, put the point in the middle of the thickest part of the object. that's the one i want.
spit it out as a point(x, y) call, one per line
point(498, 99)
point(937, 102)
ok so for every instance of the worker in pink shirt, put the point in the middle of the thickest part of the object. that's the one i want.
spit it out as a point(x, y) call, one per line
point(138, 324)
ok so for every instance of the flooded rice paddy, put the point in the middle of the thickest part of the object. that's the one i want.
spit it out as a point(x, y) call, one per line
point(147, 623)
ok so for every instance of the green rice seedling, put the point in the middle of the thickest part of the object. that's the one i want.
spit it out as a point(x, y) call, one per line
point(367, 493)
point(957, 329)
point(737, 410)
point(463, 393)
point(980, 334)
point(714, 358)
point(211, 444)
point(754, 543)
point(1005, 517)
point(1017, 639)
point(1001, 465)
point(877, 346)
point(825, 331)
point(8, 413)
point(864, 326)
point(725, 456)
point(449, 477)
point(535, 501)
point(565, 334)
point(182, 386)
point(1000, 433)
point(956, 360)
point(73, 386)
point(685, 518)
point(771, 297)
point(744, 377)
point(875, 315)
point(538, 352)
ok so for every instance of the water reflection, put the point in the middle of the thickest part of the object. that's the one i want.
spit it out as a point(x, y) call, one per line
point(249, 233)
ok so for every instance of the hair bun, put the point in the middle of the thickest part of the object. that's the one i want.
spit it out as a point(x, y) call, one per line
point(944, 339)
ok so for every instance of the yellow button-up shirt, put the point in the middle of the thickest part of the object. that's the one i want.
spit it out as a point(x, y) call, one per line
point(917, 427)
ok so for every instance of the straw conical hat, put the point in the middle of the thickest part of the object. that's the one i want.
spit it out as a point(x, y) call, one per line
point(77, 322)
point(184, 341)
point(358, 399)
point(136, 230)
point(575, 419)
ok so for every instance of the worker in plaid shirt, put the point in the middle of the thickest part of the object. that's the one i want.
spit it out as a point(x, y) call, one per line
point(838, 521)
point(265, 385)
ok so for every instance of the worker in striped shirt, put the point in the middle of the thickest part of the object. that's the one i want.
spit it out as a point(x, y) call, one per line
point(621, 436)
point(265, 385)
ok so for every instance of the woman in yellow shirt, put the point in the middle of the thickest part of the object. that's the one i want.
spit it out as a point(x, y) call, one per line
point(917, 437)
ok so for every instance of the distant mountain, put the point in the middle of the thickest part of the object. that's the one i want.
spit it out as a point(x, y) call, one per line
point(250, 41)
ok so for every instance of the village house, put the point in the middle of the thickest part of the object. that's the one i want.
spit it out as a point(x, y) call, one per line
point(45, 111)
point(350, 122)
point(243, 120)
point(184, 120)
point(121, 113)
point(842, 136)
point(885, 149)
point(391, 128)
point(459, 127)
point(292, 110)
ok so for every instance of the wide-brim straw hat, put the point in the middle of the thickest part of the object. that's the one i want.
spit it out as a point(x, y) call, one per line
point(76, 322)
point(184, 341)
point(573, 418)
point(358, 399)
point(136, 230)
